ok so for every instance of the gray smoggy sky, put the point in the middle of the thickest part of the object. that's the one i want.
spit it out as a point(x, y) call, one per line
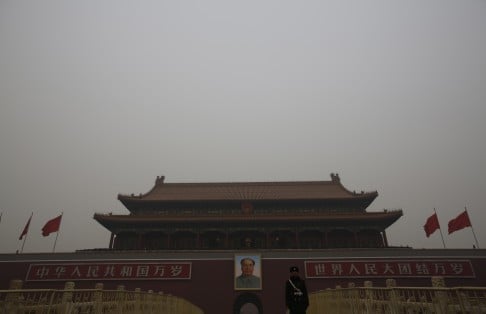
point(100, 97)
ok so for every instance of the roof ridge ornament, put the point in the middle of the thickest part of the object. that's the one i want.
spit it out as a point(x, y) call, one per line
point(335, 177)
point(159, 180)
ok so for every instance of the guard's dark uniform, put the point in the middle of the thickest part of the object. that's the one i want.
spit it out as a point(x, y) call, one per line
point(296, 297)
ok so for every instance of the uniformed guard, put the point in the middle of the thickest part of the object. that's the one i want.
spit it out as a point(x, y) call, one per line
point(296, 297)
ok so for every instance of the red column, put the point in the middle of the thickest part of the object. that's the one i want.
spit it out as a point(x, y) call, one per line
point(297, 239)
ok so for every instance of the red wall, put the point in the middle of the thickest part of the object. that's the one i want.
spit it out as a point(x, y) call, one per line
point(211, 285)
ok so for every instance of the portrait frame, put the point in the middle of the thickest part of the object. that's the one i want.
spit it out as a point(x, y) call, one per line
point(255, 284)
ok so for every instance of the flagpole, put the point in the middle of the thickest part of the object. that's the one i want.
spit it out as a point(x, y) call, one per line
point(57, 234)
point(472, 229)
point(25, 238)
point(23, 243)
point(440, 229)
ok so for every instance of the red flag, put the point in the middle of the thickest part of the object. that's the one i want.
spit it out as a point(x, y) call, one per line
point(26, 228)
point(431, 225)
point(460, 222)
point(52, 226)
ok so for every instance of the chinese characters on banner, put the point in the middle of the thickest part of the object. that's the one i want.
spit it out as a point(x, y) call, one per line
point(109, 271)
point(388, 268)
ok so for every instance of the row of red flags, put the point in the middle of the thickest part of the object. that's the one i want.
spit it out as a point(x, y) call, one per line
point(431, 225)
point(51, 226)
point(460, 222)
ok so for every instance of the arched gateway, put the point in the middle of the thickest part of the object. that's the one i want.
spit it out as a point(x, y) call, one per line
point(248, 303)
point(248, 215)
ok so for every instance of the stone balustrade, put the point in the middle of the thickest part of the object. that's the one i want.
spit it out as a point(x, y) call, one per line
point(394, 300)
point(16, 300)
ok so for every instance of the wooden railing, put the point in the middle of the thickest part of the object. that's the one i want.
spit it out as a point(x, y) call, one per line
point(398, 300)
point(90, 301)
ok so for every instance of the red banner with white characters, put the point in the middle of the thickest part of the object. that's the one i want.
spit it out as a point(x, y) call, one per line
point(109, 271)
point(388, 268)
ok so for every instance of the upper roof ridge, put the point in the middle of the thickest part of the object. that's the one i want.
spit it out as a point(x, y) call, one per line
point(334, 179)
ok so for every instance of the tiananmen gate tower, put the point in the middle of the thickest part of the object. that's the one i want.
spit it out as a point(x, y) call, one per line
point(189, 240)
point(259, 215)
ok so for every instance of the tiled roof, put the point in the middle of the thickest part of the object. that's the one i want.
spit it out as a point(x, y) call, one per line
point(240, 191)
